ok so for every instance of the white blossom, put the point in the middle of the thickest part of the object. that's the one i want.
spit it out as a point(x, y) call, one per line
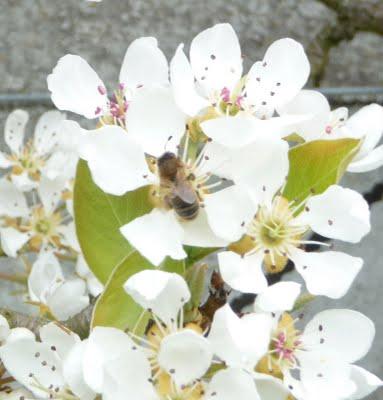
point(277, 231)
point(50, 368)
point(242, 107)
point(30, 159)
point(365, 124)
point(144, 65)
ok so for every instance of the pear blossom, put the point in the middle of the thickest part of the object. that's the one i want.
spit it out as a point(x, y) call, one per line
point(50, 368)
point(276, 232)
point(30, 159)
point(321, 352)
point(76, 87)
point(235, 109)
point(36, 225)
point(62, 298)
point(122, 162)
point(241, 342)
point(170, 361)
point(169, 350)
point(365, 124)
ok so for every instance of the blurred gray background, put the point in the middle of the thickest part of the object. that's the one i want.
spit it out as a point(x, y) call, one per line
point(343, 39)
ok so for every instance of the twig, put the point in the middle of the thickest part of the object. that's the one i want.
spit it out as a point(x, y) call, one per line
point(79, 324)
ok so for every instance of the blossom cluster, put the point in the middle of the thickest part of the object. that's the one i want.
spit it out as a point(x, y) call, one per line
point(36, 215)
point(191, 156)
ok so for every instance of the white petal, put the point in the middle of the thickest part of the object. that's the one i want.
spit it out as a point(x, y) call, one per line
point(198, 232)
point(154, 120)
point(367, 123)
point(104, 344)
point(50, 192)
point(46, 131)
point(15, 130)
point(216, 59)
point(95, 287)
point(308, 102)
point(116, 162)
point(45, 276)
point(4, 161)
point(339, 213)
point(73, 372)
point(278, 297)
point(185, 355)
point(330, 273)
point(23, 182)
point(228, 211)
point(12, 241)
point(164, 293)
point(241, 130)
point(270, 388)
point(76, 87)
point(68, 299)
point(4, 329)
point(326, 331)
point(144, 64)
point(264, 174)
point(59, 338)
point(20, 334)
point(369, 162)
point(243, 273)
point(365, 381)
point(232, 384)
point(232, 132)
point(329, 378)
point(184, 89)
point(156, 235)
point(69, 236)
point(128, 377)
point(12, 200)
point(280, 76)
point(25, 357)
point(240, 342)
point(70, 135)
point(60, 165)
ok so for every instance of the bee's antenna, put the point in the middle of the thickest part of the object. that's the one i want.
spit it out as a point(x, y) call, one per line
point(167, 142)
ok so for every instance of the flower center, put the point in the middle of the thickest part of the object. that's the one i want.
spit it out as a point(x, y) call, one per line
point(274, 232)
point(230, 102)
point(28, 161)
point(117, 107)
point(168, 391)
point(43, 228)
point(285, 342)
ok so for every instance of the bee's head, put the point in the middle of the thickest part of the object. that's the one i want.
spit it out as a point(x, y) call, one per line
point(165, 158)
point(168, 165)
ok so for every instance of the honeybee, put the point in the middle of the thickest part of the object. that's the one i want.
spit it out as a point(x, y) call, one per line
point(180, 194)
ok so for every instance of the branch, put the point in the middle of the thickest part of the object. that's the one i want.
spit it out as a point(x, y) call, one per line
point(352, 16)
point(79, 324)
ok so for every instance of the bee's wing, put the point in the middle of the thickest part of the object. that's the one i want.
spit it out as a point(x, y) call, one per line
point(185, 192)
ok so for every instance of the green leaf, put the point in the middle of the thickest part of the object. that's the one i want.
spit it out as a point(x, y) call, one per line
point(99, 217)
point(115, 307)
point(196, 254)
point(314, 166)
